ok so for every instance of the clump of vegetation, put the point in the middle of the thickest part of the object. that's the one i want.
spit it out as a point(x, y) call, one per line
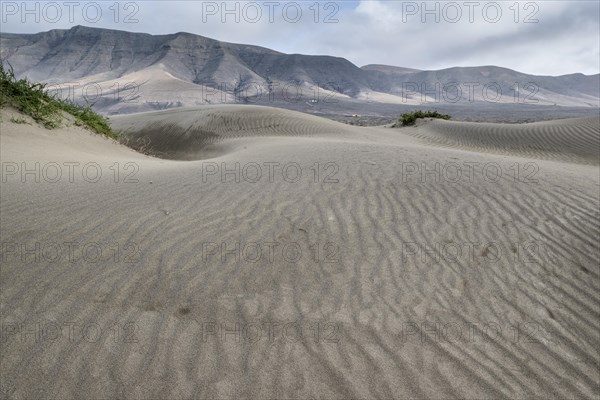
point(34, 100)
point(410, 118)
point(19, 121)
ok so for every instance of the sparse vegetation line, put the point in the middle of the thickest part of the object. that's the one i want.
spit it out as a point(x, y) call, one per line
point(32, 99)
point(410, 118)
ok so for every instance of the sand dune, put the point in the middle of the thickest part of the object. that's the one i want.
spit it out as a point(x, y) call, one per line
point(195, 133)
point(573, 140)
point(174, 315)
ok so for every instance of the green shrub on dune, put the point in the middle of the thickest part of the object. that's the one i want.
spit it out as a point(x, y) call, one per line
point(32, 99)
point(411, 117)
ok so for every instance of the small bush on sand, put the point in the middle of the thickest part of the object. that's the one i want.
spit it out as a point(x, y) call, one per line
point(411, 117)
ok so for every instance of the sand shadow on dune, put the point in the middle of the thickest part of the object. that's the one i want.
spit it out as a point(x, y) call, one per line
point(173, 142)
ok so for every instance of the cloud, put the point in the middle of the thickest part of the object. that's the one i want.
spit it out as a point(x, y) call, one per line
point(538, 37)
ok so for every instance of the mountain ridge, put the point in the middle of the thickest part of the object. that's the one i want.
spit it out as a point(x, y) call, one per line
point(198, 66)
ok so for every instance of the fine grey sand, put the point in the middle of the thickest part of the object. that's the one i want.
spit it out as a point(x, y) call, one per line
point(273, 255)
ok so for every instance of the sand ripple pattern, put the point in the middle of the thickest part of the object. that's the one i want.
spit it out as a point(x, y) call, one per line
point(571, 140)
point(187, 133)
point(370, 293)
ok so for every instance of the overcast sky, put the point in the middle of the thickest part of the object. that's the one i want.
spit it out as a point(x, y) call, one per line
point(537, 37)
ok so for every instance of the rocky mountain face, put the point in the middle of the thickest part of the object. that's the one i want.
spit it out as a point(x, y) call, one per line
point(121, 72)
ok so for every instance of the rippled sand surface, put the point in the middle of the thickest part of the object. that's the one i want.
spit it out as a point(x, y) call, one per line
point(269, 254)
